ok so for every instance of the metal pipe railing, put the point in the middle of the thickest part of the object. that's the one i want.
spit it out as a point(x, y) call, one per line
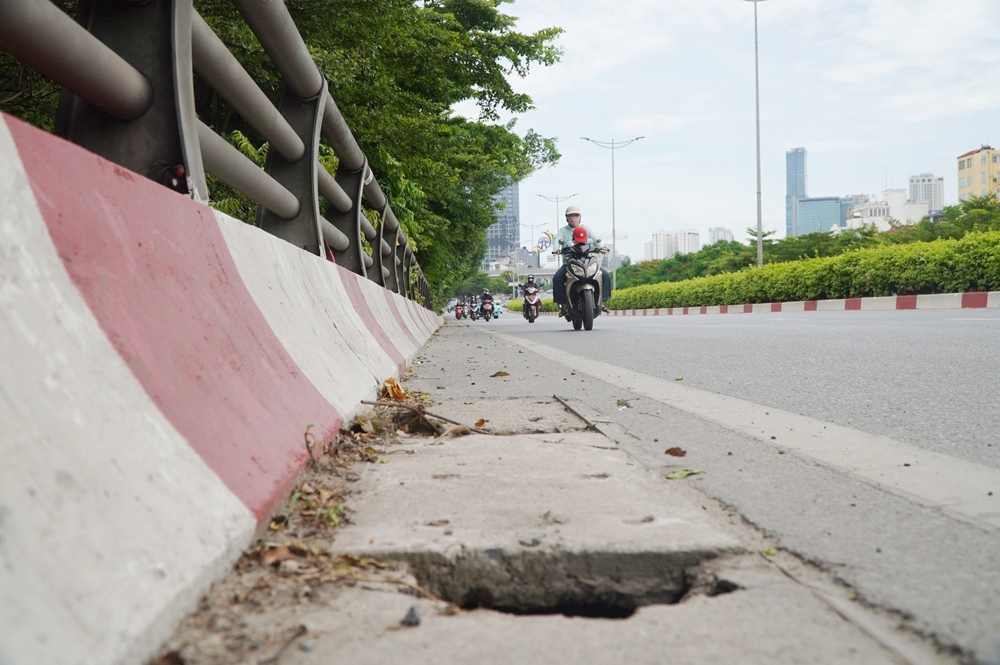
point(386, 249)
point(367, 228)
point(231, 167)
point(369, 261)
point(220, 69)
point(333, 236)
point(336, 131)
point(281, 40)
point(53, 43)
point(332, 190)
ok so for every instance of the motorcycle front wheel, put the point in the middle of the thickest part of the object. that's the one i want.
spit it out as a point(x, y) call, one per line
point(588, 309)
point(531, 315)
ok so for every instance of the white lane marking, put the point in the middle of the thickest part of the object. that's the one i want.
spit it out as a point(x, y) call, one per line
point(958, 488)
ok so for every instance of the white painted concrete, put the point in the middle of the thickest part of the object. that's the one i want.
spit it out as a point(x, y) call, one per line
point(304, 301)
point(110, 525)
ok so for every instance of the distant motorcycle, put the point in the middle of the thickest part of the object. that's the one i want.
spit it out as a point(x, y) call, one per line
point(532, 306)
point(583, 283)
point(487, 309)
point(459, 311)
point(473, 312)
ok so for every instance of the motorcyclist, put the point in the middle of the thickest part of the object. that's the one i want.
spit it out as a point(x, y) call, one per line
point(528, 284)
point(573, 221)
point(483, 298)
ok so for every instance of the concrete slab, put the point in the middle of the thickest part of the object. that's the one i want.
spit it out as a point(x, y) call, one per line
point(532, 521)
point(510, 415)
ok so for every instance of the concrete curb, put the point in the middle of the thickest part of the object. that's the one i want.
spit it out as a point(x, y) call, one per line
point(978, 300)
point(161, 365)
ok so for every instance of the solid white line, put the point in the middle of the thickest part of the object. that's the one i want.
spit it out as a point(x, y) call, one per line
point(956, 487)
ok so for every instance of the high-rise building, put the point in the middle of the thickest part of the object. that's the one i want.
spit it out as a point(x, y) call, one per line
point(819, 214)
point(667, 244)
point(795, 187)
point(717, 233)
point(927, 188)
point(503, 236)
point(977, 173)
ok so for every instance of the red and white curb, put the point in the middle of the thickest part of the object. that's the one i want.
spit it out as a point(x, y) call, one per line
point(978, 300)
point(160, 365)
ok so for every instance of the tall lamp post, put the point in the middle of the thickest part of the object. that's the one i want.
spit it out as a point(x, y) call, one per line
point(557, 200)
point(756, 75)
point(614, 244)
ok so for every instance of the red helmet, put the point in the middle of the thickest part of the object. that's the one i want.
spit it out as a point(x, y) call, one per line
point(580, 235)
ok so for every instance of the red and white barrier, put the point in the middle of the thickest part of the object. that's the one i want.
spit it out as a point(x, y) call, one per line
point(978, 300)
point(160, 366)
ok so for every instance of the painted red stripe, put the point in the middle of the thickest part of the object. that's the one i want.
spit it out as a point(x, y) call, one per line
point(645, 312)
point(748, 308)
point(810, 306)
point(906, 302)
point(389, 298)
point(656, 312)
point(670, 311)
point(155, 270)
point(776, 307)
point(686, 310)
point(975, 300)
point(852, 304)
point(704, 310)
point(368, 317)
point(724, 309)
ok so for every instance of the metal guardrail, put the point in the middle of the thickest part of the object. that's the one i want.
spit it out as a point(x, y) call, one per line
point(128, 80)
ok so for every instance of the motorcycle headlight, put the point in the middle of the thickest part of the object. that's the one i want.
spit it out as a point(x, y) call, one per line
point(578, 270)
point(592, 269)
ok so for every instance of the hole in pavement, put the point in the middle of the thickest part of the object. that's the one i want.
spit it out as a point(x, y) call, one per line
point(608, 585)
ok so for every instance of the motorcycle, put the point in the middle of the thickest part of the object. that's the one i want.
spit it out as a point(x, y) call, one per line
point(459, 311)
point(473, 312)
point(532, 306)
point(583, 283)
point(487, 309)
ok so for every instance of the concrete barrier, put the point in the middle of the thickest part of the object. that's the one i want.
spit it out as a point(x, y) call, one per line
point(160, 366)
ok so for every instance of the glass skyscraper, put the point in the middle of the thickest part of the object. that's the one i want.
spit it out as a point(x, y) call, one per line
point(795, 188)
point(503, 236)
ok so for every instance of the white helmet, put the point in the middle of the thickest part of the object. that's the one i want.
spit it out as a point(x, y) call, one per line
point(573, 210)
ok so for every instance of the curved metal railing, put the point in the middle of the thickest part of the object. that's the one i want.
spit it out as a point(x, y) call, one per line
point(127, 69)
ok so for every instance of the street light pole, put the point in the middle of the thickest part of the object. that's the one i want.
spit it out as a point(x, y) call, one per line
point(614, 235)
point(557, 199)
point(756, 74)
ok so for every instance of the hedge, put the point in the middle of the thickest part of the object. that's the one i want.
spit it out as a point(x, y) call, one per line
point(971, 263)
point(548, 305)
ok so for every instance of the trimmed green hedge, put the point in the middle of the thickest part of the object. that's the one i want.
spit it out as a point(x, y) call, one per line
point(548, 305)
point(971, 263)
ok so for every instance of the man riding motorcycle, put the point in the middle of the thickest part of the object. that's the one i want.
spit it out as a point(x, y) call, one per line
point(573, 222)
point(533, 292)
point(486, 297)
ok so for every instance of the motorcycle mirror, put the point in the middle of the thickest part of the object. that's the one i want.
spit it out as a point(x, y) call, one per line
point(561, 241)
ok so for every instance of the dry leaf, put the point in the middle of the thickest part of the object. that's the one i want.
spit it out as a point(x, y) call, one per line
point(460, 430)
point(480, 422)
point(437, 523)
point(500, 373)
point(392, 390)
point(676, 452)
point(306, 488)
point(276, 555)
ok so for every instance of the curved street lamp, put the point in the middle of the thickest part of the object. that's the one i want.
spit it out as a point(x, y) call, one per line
point(756, 75)
point(614, 236)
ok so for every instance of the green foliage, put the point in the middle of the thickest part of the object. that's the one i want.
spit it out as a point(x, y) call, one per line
point(396, 69)
point(474, 285)
point(971, 263)
point(516, 304)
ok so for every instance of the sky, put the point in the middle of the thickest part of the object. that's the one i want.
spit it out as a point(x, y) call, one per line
point(875, 90)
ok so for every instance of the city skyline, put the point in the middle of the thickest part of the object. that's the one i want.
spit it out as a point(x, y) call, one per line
point(903, 95)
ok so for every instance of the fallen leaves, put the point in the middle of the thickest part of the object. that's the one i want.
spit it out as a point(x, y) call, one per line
point(676, 452)
point(682, 473)
point(500, 373)
point(392, 390)
point(481, 422)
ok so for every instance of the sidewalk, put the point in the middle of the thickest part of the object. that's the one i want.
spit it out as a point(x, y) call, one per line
point(551, 543)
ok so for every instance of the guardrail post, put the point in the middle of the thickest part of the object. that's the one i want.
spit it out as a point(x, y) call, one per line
point(299, 177)
point(155, 38)
point(349, 223)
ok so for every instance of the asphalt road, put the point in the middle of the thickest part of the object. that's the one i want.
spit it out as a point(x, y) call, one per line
point(930, 378)
point(926, 380)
